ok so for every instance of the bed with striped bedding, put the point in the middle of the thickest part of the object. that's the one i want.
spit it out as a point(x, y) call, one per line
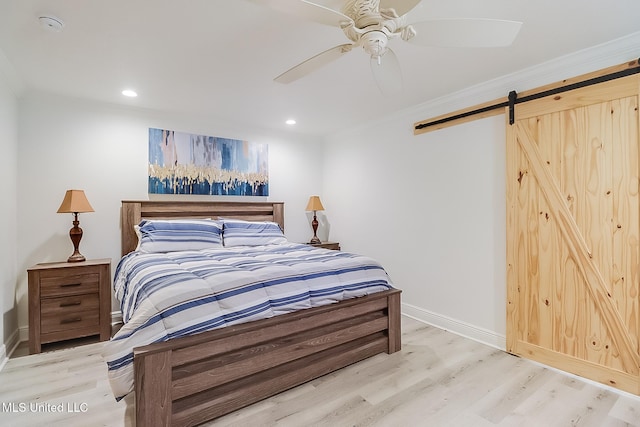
point(164, 296)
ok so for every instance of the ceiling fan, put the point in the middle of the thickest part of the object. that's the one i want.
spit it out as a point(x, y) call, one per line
point(370, 24)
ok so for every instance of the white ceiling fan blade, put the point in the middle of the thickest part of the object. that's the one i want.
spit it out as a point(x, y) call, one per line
point(312, 64)
point(465, 32)
point(400, 6)
point(387, 73)
point(309, 11)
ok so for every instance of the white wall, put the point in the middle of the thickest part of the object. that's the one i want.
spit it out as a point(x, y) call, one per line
point(432, 207)
point(67, 143)
point(8, 213)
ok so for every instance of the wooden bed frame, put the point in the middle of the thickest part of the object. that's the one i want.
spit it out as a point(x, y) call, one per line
point(190, 380)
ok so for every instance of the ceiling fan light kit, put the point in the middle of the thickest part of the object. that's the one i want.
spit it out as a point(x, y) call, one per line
point(375, 43)
point(370, 24)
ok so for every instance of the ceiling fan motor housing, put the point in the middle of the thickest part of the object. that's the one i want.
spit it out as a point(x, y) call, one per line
point(370, 28)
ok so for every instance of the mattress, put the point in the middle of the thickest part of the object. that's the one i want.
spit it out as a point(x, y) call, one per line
point(165, 296)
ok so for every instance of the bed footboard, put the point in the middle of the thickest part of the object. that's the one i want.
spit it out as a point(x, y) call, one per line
point(190, 380)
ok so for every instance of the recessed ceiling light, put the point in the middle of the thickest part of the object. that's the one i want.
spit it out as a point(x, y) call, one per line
point(130, 93)
point(290, 122)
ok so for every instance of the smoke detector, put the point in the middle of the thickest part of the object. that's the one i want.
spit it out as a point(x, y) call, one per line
point(51, 23)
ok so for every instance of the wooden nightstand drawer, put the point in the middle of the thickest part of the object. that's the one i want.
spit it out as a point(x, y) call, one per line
point(71, 318)
point(69, 300)
point(52, 308)
point(72, 327)
point(54, 285)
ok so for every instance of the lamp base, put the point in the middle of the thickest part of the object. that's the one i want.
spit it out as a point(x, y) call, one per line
point(76, 257)
point(76, 235)
point(314, 224)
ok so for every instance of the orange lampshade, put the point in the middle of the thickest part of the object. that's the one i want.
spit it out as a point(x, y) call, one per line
point(314, 204)
point(75, 202)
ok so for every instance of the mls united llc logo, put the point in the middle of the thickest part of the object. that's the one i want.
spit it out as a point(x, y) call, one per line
point(23, 407)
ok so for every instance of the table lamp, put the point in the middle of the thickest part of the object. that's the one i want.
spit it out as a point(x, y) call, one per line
point(314, 205)
point(75, 202)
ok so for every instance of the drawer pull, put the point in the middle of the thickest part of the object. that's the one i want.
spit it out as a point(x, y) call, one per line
point(69, 285)
point(70, 304)
point(71, 320)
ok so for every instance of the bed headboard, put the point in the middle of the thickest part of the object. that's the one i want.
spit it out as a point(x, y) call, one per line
point(133, 211)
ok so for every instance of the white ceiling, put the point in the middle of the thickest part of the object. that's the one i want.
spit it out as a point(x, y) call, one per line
point(218, 58)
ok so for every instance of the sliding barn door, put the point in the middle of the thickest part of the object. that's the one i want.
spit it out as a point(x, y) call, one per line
point(573, 232)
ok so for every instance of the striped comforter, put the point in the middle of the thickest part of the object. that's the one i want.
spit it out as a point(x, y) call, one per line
point(170, 295)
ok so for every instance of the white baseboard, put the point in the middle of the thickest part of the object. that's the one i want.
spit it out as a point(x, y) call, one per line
point(23, 333)
point(11, 345)
point(3, 356)
point(457, 327)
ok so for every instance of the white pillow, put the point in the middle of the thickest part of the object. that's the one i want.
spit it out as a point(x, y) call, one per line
point(237, 232)
point(178, 235)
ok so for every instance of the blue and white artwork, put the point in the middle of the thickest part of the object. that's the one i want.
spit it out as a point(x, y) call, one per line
point(184, 163)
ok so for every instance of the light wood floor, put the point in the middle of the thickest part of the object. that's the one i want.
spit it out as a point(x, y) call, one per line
point(438, 379)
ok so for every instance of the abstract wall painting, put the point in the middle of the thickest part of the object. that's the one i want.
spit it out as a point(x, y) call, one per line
point(184, 163)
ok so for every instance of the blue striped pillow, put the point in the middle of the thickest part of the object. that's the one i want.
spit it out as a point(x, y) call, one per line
point(178, 235)
point(236, 232)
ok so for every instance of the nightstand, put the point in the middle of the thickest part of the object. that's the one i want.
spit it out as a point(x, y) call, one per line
point(327, 245)
point(69, 300)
